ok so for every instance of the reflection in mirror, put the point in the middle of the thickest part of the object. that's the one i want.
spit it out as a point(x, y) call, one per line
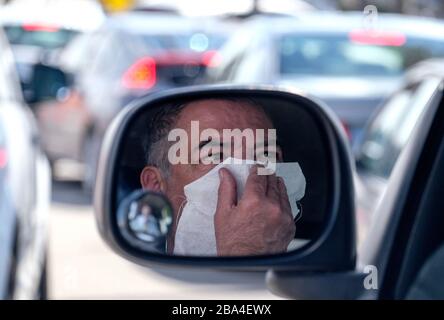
point(144, 219)
point(236, 173)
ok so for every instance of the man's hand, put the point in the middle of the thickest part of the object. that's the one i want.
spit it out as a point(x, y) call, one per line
point(259, 223)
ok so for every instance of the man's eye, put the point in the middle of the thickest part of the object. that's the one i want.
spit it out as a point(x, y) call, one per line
point(214, 157)
point(269, 153)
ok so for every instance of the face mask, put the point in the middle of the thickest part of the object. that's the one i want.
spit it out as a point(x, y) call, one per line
point(195, 233)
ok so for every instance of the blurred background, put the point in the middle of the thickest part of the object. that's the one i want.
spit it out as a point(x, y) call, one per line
point(67, 67)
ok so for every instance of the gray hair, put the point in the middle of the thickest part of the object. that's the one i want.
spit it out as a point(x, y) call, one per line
point(155, 142)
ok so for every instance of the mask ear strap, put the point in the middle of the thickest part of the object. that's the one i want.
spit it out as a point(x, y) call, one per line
point(179, 214)
point(299, 215)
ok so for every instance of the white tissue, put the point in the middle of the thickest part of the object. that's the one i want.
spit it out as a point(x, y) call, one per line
point(195, 231)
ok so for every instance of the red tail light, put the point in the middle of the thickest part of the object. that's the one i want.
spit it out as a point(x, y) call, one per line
point(211, 58)
point(39, 27)
point(141, 75)
point(378, 38)
point(3, 158)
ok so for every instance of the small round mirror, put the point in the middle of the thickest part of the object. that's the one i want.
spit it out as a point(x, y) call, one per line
point(144, 219)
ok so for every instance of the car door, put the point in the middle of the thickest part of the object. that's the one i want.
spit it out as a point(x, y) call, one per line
point(408, 222)
point(419, 233)
point(383, 140)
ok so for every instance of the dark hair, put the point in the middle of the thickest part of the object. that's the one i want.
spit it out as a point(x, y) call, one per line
point(155, 144)
point(158, 127)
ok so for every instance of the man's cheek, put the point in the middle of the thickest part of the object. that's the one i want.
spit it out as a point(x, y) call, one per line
point(199, 170)
point(181, 175)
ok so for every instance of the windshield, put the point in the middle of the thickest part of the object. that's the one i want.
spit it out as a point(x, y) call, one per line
point(46, 37)
point(342, 55)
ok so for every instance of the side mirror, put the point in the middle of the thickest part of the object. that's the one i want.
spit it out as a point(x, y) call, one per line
point(47, 83)
point(309, 151)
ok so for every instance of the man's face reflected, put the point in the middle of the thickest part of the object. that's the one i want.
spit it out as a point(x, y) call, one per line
point(211, 114)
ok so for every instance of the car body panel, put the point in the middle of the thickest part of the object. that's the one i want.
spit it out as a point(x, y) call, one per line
point(28, 181)
point(389, 133)
point(62, 121)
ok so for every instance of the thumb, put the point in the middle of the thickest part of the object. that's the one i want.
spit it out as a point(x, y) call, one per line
point(227, 196)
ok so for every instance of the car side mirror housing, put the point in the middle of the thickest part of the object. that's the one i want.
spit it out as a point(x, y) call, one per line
point(309, 134)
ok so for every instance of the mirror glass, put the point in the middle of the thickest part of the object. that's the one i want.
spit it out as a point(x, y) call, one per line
point(223, 175)
point(144, 219)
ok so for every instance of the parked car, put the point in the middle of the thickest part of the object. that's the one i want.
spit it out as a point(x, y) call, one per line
point(388, 131)
point(24, 191)
point(333, 56)
point(37, 29)
point(161, 51)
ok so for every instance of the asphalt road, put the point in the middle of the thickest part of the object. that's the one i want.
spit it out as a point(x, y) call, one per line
point(81, 266)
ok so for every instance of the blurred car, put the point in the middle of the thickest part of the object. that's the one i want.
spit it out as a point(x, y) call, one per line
point(24, 191)
point(388, 131)
point(239, 8)
point(36, 29)
point(161, 51)
point(333, 56)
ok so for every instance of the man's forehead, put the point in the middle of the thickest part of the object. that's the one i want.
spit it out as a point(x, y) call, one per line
point(223, 114)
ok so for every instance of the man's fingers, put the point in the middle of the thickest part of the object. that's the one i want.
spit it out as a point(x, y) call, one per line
point(227, 196)
point(283, 196)
point(272, 187)
point(256, 184)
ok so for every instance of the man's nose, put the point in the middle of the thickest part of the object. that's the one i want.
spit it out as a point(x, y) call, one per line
point(244, 152)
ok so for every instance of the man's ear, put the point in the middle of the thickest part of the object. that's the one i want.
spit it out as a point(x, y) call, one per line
point(151, 179)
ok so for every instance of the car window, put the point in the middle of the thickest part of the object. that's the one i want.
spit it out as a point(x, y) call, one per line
point(230, 56)
point(107, 60)
point(83, 52)
point(47, 37)
point(114, 61)
point(390, 130)
point(255, 64)
point(77, 52)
